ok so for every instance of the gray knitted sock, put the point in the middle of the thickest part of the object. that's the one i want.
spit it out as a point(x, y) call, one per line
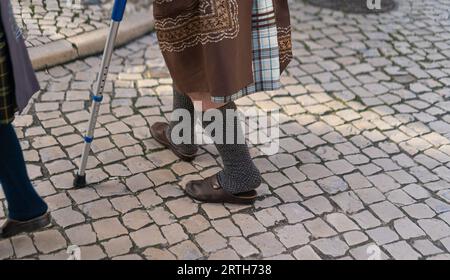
point(240, 173)
point(181, 101)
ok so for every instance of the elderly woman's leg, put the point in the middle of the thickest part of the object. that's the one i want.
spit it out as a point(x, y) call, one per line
point(187, 133)
point(240, 173)
point(237, 182)
point(179, 134)
point(24, 204)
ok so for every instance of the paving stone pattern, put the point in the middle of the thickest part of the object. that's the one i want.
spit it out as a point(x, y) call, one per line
point(45, 21)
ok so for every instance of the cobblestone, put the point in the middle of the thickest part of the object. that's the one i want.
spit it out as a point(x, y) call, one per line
point(48, 21)
point(268, 244)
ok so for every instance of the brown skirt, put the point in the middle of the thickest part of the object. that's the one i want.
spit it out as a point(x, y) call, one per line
point(209, 45)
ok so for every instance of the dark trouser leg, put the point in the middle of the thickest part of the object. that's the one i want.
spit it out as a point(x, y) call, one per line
point(240, 173)
point(23, 201)
point(183, 128)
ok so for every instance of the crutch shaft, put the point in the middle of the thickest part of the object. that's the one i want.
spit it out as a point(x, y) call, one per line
point(98, 95)
point(116, 18)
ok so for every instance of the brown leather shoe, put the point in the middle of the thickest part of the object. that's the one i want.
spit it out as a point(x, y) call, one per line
point(209, 190)
point(13, 227)
point(158, 131)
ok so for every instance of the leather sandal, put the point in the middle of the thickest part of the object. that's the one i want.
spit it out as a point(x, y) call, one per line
point(12, 227)
point(209, 190)
point(158, 131)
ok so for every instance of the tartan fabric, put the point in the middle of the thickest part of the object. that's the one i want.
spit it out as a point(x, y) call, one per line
point(7, 99)
point(266, 52)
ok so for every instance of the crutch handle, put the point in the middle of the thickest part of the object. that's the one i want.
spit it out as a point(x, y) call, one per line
point(118, 10)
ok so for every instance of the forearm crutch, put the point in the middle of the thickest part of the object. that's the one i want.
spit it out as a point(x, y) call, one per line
point(116, 18)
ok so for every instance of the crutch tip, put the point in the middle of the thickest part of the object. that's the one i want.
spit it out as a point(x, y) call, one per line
point(79, 181)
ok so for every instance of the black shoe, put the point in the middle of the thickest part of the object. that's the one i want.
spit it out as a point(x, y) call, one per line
point(13, 227)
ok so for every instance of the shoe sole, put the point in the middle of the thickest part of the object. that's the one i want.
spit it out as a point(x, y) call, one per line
point(235, 200)
point(30, 226)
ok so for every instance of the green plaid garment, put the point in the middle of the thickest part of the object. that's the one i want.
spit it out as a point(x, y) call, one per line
point(7, 99)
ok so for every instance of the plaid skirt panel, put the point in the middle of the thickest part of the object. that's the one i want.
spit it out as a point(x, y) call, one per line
point(266, 52)
point(8, 105)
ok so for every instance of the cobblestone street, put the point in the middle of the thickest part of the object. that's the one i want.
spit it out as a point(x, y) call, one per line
point(52, 20)
point(364, 157)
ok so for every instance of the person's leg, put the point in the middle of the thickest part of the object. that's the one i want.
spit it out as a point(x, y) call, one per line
point(240, 174)
point(167, 133)
point(205, 99)
point(23, 201)
point(183, 102)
